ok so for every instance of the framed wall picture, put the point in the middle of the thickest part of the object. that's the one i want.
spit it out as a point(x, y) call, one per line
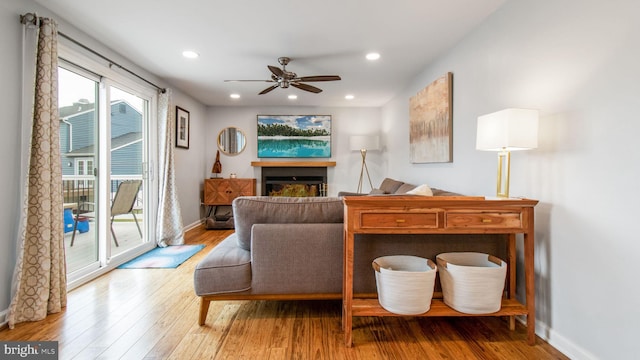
point(294, 136)
point(183, 127)
point(431, 122)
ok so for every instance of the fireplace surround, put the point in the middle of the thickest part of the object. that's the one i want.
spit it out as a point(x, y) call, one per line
point(294, 181)
point(298, 176)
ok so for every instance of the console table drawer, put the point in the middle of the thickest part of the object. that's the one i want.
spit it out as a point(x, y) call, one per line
point(510, 220)
point(417, 220)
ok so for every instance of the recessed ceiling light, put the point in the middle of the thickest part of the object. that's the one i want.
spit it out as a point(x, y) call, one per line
point(235, 96)
point(373, 56)
point(292, 97)
point(190, 54)
point(349, 97)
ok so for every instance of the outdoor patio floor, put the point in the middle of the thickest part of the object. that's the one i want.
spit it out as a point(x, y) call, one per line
point(84, 249)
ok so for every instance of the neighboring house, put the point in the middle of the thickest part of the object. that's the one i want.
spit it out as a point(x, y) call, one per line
point(77, 139)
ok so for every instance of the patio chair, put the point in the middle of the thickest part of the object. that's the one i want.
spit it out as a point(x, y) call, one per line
point(122, 204)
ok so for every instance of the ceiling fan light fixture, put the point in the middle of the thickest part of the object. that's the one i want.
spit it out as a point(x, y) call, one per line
point(235, 96)
point(281, 78)
point(349, 97)
point(372, 56)
point(292, 97)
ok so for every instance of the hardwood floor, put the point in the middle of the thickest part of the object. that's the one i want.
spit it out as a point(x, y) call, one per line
point(152, 314)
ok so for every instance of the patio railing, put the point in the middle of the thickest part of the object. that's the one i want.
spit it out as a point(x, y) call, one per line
point(79, 189)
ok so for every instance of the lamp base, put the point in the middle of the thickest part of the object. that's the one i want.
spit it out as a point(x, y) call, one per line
point(504, 170)
point(363, 169)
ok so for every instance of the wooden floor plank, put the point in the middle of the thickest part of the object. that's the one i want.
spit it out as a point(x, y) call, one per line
point(217, 333)
point(152, 314)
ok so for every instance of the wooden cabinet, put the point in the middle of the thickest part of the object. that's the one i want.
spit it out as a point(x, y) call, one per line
point(440, 215)
point(223, 191)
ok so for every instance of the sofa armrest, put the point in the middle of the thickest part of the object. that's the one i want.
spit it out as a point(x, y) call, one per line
point(296, 258)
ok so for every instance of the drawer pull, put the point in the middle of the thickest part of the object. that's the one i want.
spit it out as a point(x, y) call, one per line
point(486, 220)
point(400, 220)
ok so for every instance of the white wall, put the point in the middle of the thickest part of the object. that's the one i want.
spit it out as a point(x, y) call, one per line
point(188, 162)
point(576, 61)
point(344, 122)
point(191, 162)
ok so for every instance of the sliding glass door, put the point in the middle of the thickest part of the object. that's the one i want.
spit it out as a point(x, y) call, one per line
point(105, 147)
point(129, 113)
point(78, 95)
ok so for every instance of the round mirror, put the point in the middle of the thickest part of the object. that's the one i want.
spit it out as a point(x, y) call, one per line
point(231, 141)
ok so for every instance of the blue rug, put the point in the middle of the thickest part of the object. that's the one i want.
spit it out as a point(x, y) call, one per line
point(163, 258)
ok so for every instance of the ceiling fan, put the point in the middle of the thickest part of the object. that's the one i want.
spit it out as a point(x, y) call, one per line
point(283, 78)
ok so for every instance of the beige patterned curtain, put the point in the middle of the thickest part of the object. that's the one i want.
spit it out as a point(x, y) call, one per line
point(40, 286)
point(169, 228)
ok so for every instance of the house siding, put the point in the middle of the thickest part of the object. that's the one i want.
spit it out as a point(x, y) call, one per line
point(77, 133)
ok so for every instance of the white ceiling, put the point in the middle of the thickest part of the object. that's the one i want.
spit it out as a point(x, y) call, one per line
point(237, 39)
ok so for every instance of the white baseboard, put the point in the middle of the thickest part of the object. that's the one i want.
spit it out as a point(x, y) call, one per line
point(559, 342)
point(193, 225)
point(567, 347)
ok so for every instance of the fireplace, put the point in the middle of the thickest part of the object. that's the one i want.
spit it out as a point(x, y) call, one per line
point(294, 181)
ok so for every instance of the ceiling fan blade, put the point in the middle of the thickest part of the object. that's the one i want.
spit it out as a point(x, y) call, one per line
point(248, 81)
point(319, 78)
point(272, 87)
point(306, 87)
point(275, 70)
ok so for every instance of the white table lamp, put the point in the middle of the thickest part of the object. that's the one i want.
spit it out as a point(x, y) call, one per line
point(505, 131)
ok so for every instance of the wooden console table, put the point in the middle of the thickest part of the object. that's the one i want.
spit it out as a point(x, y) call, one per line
point(440, 215)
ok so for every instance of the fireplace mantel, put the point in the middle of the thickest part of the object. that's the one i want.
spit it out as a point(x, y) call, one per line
point(293, 163)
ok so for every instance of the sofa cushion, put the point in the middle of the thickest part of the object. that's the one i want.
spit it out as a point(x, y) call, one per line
point(297, 258)
point(389, 186)
point(249, 210)
point(377, 192)
point(423, 190)
point(227, 268)
point(404, 188)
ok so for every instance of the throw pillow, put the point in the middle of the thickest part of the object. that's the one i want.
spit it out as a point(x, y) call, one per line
point(390, 186)
point(404, 188)
point(423, 190)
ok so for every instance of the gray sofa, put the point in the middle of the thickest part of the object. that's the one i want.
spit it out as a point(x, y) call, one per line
point(396, 187)
point(292, 249)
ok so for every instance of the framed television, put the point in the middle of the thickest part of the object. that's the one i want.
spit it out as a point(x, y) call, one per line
point(294, 136)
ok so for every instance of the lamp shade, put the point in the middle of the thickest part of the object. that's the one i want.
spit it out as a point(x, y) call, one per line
point(366, 142)
point(509, 129)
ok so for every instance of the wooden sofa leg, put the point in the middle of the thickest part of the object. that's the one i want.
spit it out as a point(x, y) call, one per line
point(204, 308)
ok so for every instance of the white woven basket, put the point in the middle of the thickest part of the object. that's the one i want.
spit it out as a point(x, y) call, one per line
point(472, 283)
point(405, 283)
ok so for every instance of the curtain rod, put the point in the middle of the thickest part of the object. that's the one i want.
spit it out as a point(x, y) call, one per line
point(33, 18)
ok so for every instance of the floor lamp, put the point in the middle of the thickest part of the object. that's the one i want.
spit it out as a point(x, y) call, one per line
point(363, 143)
point(505, 131)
